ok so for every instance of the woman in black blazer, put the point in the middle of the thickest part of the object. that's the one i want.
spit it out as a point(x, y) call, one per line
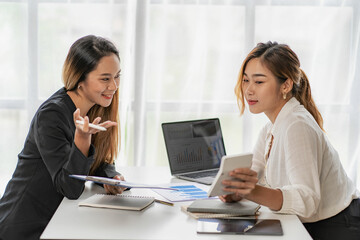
point(58, 146)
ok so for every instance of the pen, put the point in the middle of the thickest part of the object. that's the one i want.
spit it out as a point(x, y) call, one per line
point(249, 227)
point(164, 202)
point(92, 125)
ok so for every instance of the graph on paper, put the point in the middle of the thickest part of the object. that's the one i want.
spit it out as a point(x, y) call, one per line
point(184, 193)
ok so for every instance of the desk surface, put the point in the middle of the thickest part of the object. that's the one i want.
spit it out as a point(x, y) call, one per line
point(156, 222)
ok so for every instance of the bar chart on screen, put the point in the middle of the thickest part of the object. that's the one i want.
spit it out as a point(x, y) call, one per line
point(185, 193)
point(189, 156)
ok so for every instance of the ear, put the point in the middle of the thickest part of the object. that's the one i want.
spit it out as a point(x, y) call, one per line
point(287, 86)
point(79, 85)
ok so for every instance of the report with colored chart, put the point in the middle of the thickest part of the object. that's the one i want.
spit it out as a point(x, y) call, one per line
point(185, 192)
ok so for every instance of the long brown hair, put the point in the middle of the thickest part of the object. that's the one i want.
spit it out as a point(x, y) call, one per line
point(284, 64)
point(83, 57)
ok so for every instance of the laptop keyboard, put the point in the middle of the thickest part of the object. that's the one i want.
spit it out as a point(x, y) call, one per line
point(202, 174)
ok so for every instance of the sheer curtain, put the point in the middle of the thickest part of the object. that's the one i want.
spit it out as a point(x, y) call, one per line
point(180, 60)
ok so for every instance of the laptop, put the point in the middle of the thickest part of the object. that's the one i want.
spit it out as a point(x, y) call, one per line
point(194, 149)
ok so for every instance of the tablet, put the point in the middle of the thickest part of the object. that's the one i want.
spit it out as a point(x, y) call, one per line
point(228, 163)
point(246, 226)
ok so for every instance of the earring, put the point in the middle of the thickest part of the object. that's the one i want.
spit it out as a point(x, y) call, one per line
point(284, 96)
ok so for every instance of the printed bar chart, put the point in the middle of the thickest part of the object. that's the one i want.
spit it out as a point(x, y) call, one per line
point(184, 193)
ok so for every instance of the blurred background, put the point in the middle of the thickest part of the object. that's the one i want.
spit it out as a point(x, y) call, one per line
point(180, 60)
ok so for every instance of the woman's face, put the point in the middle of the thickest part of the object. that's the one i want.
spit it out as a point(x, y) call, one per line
point(101, 84)
point(262, 90)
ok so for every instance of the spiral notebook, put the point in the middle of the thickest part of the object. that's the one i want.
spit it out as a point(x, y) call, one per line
point(122, 202)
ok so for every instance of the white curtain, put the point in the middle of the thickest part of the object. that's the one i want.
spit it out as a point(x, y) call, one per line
point(180, 60)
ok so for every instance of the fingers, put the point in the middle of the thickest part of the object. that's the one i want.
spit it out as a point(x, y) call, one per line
point(245, 175)
point(244, 171)
point(239, 193)
point(244, 178)
point(226, 198)
point(223, 198)
point(230, 198)
point(76, 114)
point(114, 189)
point(239, 184)
point(108, 124)
point(240, 189)
point(85, 128)
point(97, 120)
point(119, 177)
point(83, 125)
point(77, 117)
point(243, 181)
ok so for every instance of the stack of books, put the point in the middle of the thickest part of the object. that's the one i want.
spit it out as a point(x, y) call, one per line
point(215, 208)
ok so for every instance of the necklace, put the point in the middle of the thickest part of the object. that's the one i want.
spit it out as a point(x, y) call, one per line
point(267, 155)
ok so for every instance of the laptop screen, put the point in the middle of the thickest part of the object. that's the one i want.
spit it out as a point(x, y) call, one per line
point(193, 145)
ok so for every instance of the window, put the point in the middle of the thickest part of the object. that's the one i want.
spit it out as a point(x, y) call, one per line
point(180, 60)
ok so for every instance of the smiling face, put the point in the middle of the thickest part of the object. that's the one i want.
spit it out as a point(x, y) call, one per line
point(262, 90)
point(101, 84)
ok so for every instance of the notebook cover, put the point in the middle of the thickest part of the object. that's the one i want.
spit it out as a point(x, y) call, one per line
point(124, 202)
point(198, 215)
point(217, 206)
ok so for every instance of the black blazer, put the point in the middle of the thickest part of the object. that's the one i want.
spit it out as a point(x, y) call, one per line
point(41, 178)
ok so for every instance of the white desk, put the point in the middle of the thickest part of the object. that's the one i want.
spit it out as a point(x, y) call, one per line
point(156, 222)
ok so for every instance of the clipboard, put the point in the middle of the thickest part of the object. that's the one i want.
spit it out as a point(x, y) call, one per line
point(119, 183)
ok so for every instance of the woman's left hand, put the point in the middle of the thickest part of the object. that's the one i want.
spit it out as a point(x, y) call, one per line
point(114, 189)
point(243, 182)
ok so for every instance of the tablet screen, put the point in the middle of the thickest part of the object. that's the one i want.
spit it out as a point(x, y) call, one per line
point(240, 226)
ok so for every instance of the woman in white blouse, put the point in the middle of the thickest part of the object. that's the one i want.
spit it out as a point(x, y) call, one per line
point(295, 168)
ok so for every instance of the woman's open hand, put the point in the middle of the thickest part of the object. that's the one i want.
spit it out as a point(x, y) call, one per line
point(83, 131)
point(85, 128)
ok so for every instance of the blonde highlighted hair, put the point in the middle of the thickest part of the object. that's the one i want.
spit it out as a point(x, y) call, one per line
point(83, 57)
point(284, 64)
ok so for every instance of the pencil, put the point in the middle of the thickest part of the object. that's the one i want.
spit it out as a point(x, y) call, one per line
point(164, 202)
